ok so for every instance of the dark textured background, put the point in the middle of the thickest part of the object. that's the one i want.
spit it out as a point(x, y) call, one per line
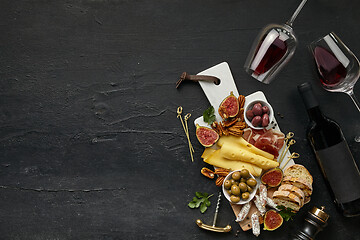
point(90, 146)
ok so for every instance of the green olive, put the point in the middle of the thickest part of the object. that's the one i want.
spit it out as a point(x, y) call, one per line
point(245, 195)
point(232, 181)
point(243, 187)
point(234, 198)
point(245, 173)
point(251, 182)
point(249, 189)
point(227, 184)
point(235, 190)
point(243, 180)
point(228, 191)
point(236, 176)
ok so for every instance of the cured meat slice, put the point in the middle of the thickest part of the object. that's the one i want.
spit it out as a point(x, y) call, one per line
point(270, 141)
point(251, 135)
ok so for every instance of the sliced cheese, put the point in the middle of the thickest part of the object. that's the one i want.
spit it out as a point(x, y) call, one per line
point(232, 152)
point(243, 143)
point(217, 160)
point(207, 152)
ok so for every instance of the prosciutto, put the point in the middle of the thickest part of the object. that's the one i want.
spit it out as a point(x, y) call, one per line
point(270, 141)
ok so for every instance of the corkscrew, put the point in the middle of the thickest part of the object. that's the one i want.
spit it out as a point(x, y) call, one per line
point(213, 227)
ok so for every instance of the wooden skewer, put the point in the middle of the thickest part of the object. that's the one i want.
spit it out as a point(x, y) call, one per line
point(292, 142)
point(292, 156)
point(179, 111)
point(288, 136)
point(186, 118)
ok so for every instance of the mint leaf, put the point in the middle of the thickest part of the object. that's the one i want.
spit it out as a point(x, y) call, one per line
point(286, 213)
point(201, 200)
point(199, 195)
point(203, 207)
point(209, 115)
point(191, 205)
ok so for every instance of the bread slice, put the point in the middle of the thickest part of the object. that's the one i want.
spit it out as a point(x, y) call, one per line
point(300, 183)
point(295, 190)
point(287, 204)
point(298, 171)
point(287, 199)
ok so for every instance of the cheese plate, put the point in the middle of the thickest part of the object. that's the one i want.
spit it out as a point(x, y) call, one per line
point(215, 95)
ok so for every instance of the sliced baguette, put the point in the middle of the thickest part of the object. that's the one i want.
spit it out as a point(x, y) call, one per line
point(287, 204)
point(300, 183)
point(295, 190)
point(287, 199)
point(298, 171)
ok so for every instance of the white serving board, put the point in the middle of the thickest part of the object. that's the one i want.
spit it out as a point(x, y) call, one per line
point(216, 94)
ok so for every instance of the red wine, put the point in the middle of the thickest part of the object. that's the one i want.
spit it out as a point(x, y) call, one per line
point(274, 53)
point(331, 71)
point(333, 156)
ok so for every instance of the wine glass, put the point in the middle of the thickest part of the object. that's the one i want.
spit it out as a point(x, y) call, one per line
point(337, 66)
point(272, 49)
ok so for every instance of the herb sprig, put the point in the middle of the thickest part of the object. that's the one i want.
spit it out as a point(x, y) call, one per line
point(286, 213)
point(201, 200)
point(209, 115)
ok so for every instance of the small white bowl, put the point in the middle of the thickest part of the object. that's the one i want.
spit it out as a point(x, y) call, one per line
point(241, 202)
point(249, 106)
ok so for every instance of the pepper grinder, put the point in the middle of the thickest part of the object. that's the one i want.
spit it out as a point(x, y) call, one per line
point(315, 221)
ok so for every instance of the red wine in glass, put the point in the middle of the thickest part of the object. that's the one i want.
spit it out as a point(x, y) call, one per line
point(274, 53)
point(331, 70)
point(338, 67)
point(272, 49)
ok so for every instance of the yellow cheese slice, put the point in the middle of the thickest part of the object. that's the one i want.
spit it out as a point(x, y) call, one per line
point(217, 160)
point(207, 152)
point(231, 151)
point(243, 143)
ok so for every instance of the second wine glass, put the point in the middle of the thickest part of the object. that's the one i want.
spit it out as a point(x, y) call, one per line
point(272, 49)
point(337, 66)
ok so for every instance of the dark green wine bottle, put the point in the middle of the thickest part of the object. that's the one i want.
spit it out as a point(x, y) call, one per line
point(333, 155)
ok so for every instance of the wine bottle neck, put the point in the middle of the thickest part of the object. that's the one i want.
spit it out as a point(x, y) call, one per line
point(315, 114)
point(311, 103)
point(308, 96)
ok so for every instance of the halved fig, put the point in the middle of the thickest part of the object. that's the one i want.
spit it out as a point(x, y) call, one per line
point(229, 107)
point(272, 177)
point(206, 136)
point(272, 220)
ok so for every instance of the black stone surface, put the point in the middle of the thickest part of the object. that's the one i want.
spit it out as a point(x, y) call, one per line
point(90, 146)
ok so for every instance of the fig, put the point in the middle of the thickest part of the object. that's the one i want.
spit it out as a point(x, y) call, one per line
point(272, 177)
point(229, 107)
point(206, 136)
point(272, 220)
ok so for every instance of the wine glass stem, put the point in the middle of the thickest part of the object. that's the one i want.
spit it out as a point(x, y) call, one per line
point(353, 97)
point(293, 17)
